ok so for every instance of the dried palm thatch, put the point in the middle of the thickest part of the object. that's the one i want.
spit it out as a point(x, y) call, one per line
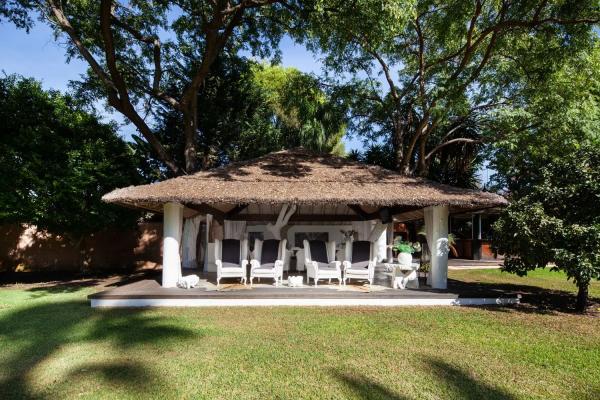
point(304, 178)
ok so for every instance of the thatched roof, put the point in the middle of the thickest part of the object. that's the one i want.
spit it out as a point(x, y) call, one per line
point(303, 178)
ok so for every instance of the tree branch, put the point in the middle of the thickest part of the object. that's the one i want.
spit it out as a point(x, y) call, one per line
point(154, 41)
point(66, 27)
point(457, 140)
point(122, 102)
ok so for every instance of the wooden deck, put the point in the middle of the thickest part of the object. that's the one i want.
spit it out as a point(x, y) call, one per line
point(148, 292)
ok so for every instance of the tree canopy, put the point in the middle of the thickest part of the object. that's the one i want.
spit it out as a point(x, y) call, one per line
point(557, 221)
point(547, 162)
point(250, 109)
point(145, 57)
point(57, 162)
point(426, 78)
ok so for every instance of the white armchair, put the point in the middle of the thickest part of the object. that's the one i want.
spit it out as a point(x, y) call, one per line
point(361, 257)
point(319, 260)
point(231, 258)
point(268, 260)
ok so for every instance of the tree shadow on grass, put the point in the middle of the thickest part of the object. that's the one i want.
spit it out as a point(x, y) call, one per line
point(534, 299)
point(462, 384)
point(33, 335)
point(458, 384)
point(48, 284)
point(366, 388)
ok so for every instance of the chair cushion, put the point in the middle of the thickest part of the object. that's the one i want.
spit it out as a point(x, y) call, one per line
point(357, 271)
point(361, 252)
point(318, 251)
point(270, 251)
point(231, 265)
point(230, 251)
point(360, 265)
point(325, 266)
point(237, 270)
point(262, 270)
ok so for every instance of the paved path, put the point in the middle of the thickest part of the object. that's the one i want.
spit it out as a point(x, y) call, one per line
point(462, 264)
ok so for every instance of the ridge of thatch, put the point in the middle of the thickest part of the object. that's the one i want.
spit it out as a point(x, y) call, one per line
point(301, 177)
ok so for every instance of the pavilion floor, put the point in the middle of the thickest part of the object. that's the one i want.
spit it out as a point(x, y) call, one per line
point(148, 292)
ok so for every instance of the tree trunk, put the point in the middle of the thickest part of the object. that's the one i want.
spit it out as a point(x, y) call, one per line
point(190, 131)
point(423, 165)
point(582, 296)
point(398, 145)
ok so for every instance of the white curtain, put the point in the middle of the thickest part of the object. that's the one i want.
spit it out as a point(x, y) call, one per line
point(234, 230)
point(207, 245)
point(188, 244)
point(363, 229)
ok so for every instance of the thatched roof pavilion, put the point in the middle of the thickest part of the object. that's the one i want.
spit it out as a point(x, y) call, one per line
point(317, 188)
point(319, 184)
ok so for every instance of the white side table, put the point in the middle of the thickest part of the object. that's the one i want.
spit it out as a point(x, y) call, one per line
point(402, 275)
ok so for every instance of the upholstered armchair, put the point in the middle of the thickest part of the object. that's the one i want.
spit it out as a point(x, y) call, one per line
point(269, 256)
point(231, 258)
point(319, 260)
point(361, 257)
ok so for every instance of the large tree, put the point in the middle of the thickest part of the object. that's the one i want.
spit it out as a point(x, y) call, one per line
point(57, 162)
point(250, 109)
point(557, 222)
point(138, 52)
point(427, 75)
point(547, 162)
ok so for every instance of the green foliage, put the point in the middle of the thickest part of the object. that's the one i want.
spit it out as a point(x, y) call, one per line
point(553, 117)
point(405, 247)
point(248, 109)
point(57, 161)
point(149, 58)
point(428, 79)
point(557, 220)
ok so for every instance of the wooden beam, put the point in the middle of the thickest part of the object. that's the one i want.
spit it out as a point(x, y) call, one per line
point(235, 211)
point(385, 214)
point(297, 217)
point(402, 209)
point(206, 209)
point(362, 213)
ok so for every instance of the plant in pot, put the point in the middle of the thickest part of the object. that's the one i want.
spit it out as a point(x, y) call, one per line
point(405, 251)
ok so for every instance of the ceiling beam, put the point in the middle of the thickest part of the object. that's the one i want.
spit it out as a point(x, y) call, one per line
point(362, 213)
point(385, 214)
point(235, 211)
point(298, 217)
point(206, 209)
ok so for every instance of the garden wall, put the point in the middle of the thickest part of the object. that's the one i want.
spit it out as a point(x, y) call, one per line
point(25, 248)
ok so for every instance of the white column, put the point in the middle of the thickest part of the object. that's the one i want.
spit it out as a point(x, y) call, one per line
point(172, 222)
point(390, 241)
point(436, 226)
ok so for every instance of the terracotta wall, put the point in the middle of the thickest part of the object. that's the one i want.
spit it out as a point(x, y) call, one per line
point(25, 248)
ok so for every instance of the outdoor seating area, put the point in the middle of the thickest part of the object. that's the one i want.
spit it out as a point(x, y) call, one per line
point(267, 292)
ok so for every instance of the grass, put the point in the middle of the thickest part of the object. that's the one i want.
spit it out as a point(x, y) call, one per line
point(540, 278)
point(53, 345)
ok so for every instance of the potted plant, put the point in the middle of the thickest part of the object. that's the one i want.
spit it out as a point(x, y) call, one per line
point(405, 251)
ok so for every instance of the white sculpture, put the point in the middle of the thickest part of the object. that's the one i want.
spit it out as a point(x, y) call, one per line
point(295, 281)
point(282, 220)
point(188, 282)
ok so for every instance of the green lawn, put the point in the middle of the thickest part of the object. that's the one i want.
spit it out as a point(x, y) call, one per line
point(540, 278)
point(53, 345)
